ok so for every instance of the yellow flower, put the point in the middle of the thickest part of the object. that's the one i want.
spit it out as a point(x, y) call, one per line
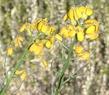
point(80, 34)
point(51, 30)
point(85, 12)
point(18, 40)
point(82, 9)
point(93, 36)
point(89, 11)
point(91, 22)
point(9, 51)
point(72, 31)
point(18, 72)
point(85, 55)
point(45, 27)
point(76, 13)
point(41, 22)
point(25, 27)
point(78, 49)
point(71, 16)
point(36, 22)
point(41, 25)
point(48, 44)
point(37, 48)
point(67, 31)
point(22, 74)
point(65, 17)
point(81, 53)
point(58, 37)
point(64, 32)
point(92, 29)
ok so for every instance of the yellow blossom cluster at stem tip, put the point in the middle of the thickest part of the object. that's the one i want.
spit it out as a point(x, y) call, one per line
point(38, 47)
point(89, 30)
point(40, 25)
point(84, 27)
point(43, 27)
point(76, 13)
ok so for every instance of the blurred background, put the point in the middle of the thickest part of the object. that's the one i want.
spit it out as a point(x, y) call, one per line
point(92, 80)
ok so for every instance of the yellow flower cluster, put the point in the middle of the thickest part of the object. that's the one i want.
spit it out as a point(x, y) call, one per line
point(41, 25)
point(38, 46)
point(89, 30)
point(81, 28)
point(38, 49)
point(17, 43)
point(76, 13)
point(85, 28)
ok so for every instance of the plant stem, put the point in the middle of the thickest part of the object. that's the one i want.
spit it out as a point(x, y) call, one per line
point(61, 75)
point(9, 77)
point(74, 74)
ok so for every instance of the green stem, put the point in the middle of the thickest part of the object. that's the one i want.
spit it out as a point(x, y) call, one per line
point(61, 75)
point(74, 74)
point(9, 77)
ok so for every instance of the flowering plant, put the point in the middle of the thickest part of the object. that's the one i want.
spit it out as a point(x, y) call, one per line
point(79, 27)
